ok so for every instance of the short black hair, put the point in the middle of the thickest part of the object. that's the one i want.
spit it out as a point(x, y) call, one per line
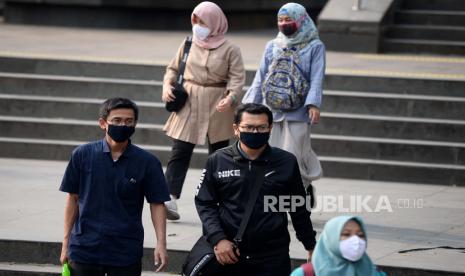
point(117, 103)
point(252, 108)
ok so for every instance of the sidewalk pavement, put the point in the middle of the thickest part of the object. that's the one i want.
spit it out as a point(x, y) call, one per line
point(29, 269)
point(31, 208)
point(158, 47)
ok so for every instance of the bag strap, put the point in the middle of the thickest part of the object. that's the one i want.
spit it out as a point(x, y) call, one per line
point(182, 64)
point(250, 205)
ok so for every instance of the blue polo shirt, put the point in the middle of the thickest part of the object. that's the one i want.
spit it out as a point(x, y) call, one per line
point(108, 229)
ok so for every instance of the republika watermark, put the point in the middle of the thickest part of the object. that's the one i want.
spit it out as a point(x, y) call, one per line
point(339, 203)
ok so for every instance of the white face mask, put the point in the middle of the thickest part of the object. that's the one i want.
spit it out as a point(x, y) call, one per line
point(200, 32)
point(353, 248)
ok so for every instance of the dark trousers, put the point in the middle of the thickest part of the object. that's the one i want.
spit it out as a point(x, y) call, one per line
point(178, 164)
point(80, 269)
point(274, 265)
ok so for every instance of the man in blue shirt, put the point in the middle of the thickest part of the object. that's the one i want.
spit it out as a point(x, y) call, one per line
point(106, 182)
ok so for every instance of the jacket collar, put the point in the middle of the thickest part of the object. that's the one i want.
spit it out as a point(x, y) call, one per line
point(238, 156)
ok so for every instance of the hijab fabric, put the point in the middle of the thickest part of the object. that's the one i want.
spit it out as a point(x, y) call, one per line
point(327, 259)
point(306, 32)
point(212, 15)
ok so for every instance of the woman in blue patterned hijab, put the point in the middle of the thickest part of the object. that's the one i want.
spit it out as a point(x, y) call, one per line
point(295, 25)
point(290, 82)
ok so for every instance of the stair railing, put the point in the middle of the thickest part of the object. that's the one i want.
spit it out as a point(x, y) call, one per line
point(357, 5)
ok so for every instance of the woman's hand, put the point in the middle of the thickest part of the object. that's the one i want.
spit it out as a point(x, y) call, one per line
point(167, 95)
point(224, 104)
point(314, 114)
point(309, 256)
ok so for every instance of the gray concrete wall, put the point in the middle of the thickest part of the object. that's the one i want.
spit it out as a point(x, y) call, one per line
point(345, 29)
point(144, 14)
point(180, 4)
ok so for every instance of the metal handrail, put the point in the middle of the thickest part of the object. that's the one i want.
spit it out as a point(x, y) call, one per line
point(357, 5)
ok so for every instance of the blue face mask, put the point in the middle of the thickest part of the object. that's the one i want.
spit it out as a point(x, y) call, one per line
point(254, 140)
point(120, 133)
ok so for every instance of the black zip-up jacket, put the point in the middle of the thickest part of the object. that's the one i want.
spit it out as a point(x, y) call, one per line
point(225, 186)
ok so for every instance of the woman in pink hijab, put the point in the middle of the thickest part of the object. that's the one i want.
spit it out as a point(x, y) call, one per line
point(213, 78)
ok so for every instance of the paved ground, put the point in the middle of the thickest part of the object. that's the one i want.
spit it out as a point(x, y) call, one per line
point(31, 208)
point(155, 47)
point(56, 269)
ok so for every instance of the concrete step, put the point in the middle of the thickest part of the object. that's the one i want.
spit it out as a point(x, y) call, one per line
point(28, 269)
point(72, 108)
point(450, 5)
point(13, 269)
point(325, 145)
point(79, 87)
point(80, 67)
point(430, 17)
point(391, 127)
point(369, 103)
point(52, 149)
point(400, 171)
point(331, 123)
point(103, 85)
point(395, 85)
point(47, 255)
point(42, 260)
point(423, 46)
point(427, 32)
point(80, 130)
point(333, 166)
point(390, 104)
point(389, 149)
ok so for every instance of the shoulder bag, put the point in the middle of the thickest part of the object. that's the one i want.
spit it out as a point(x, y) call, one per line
point(202, 260)
point(179, 91)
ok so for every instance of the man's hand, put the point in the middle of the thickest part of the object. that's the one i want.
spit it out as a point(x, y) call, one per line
point(158, 214)
point(314, 114)
point(309, 257)
point(64, 253)
point(224, 252)
point(167, 95)
point(71, 212)
point(161, 257)
point(224, 104)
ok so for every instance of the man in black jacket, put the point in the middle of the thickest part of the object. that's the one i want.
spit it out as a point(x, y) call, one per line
point(226, 184)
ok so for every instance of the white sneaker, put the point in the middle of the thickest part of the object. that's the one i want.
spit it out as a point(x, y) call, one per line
point(172, 209)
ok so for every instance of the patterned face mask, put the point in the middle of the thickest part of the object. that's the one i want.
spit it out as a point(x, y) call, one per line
point(288, 28)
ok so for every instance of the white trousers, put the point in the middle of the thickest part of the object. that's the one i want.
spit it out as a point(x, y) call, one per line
point(295, 138)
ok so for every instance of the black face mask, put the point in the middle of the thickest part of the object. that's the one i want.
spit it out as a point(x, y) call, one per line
point(120, 133)
point(254, 140)
point(288, 29)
